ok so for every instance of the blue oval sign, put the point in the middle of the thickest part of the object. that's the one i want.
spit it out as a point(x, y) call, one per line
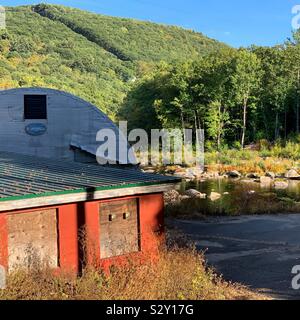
point(36, 129)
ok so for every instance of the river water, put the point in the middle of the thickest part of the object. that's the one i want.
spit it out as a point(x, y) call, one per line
point(237, 192)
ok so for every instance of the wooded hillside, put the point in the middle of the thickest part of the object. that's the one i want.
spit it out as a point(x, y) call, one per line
point(93, 56)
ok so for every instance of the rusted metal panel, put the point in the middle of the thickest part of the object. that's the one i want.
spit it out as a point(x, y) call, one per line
point(33, 239)
point(119, 228)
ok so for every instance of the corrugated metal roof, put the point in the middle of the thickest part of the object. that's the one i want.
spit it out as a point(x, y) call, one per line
point(26, 176)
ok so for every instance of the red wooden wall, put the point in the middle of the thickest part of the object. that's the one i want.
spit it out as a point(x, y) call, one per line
point(83, 218)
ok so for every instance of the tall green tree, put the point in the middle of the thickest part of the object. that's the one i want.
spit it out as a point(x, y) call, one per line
point(246, 80)
point(292, 53)
point(275, 89)
point(219, 92)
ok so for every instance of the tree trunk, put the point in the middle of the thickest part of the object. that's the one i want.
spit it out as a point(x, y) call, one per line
point(285, 123)
point(266, 122)
point(198, 119)
point(298, 103)
point(219, 130)
point(195, 119)
point(276, 126)
point(244, 123)
point(297, 116)
point(183, 125)
point(182, 121)
point(219, 141)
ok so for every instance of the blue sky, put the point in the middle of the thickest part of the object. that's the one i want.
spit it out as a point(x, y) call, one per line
point(236, 22)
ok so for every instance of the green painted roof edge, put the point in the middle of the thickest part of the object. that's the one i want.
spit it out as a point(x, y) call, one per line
point(91, 189)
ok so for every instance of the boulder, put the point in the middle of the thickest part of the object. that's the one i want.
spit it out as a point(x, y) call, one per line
point(266, 181)
point(171, 196)
point(149, 171)
point(214, 175)
point(214, 196)
point(180, 174)
point(182, 198)
point(192, 193)
point(196, 171)
point(179, 169)
point(281, 185)
point(234, 174)
point(247, 181)
point(174, 168)
point(189, 176)
point(292, 174)
point(145, 168)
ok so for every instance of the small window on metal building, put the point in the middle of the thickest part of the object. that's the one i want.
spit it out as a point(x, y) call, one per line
point(35, 107)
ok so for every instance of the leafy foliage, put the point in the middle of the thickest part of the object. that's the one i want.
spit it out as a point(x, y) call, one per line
point(238, 96)
point(64, 48)
point(132, 40)
point(155, 75)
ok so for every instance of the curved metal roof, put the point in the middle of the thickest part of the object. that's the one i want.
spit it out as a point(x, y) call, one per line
point(81, 140)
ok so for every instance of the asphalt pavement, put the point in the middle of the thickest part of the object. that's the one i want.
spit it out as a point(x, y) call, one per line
point(257, 251)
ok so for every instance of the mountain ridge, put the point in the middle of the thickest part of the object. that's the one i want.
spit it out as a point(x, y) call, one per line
point(94, 56)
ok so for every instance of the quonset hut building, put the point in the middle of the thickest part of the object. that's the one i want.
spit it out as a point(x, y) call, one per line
point(53, 124)
point(49, 191)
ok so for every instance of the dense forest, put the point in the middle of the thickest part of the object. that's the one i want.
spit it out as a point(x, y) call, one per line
point(90, 55)
point(238, 96)
point(155, 75)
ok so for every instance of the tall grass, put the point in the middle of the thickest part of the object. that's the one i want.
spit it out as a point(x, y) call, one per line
point(290, 150)
point(277, 159)
point(180, 274)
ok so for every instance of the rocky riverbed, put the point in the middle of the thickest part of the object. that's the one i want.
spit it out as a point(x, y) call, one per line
point(279, 181)
point(232, 193)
